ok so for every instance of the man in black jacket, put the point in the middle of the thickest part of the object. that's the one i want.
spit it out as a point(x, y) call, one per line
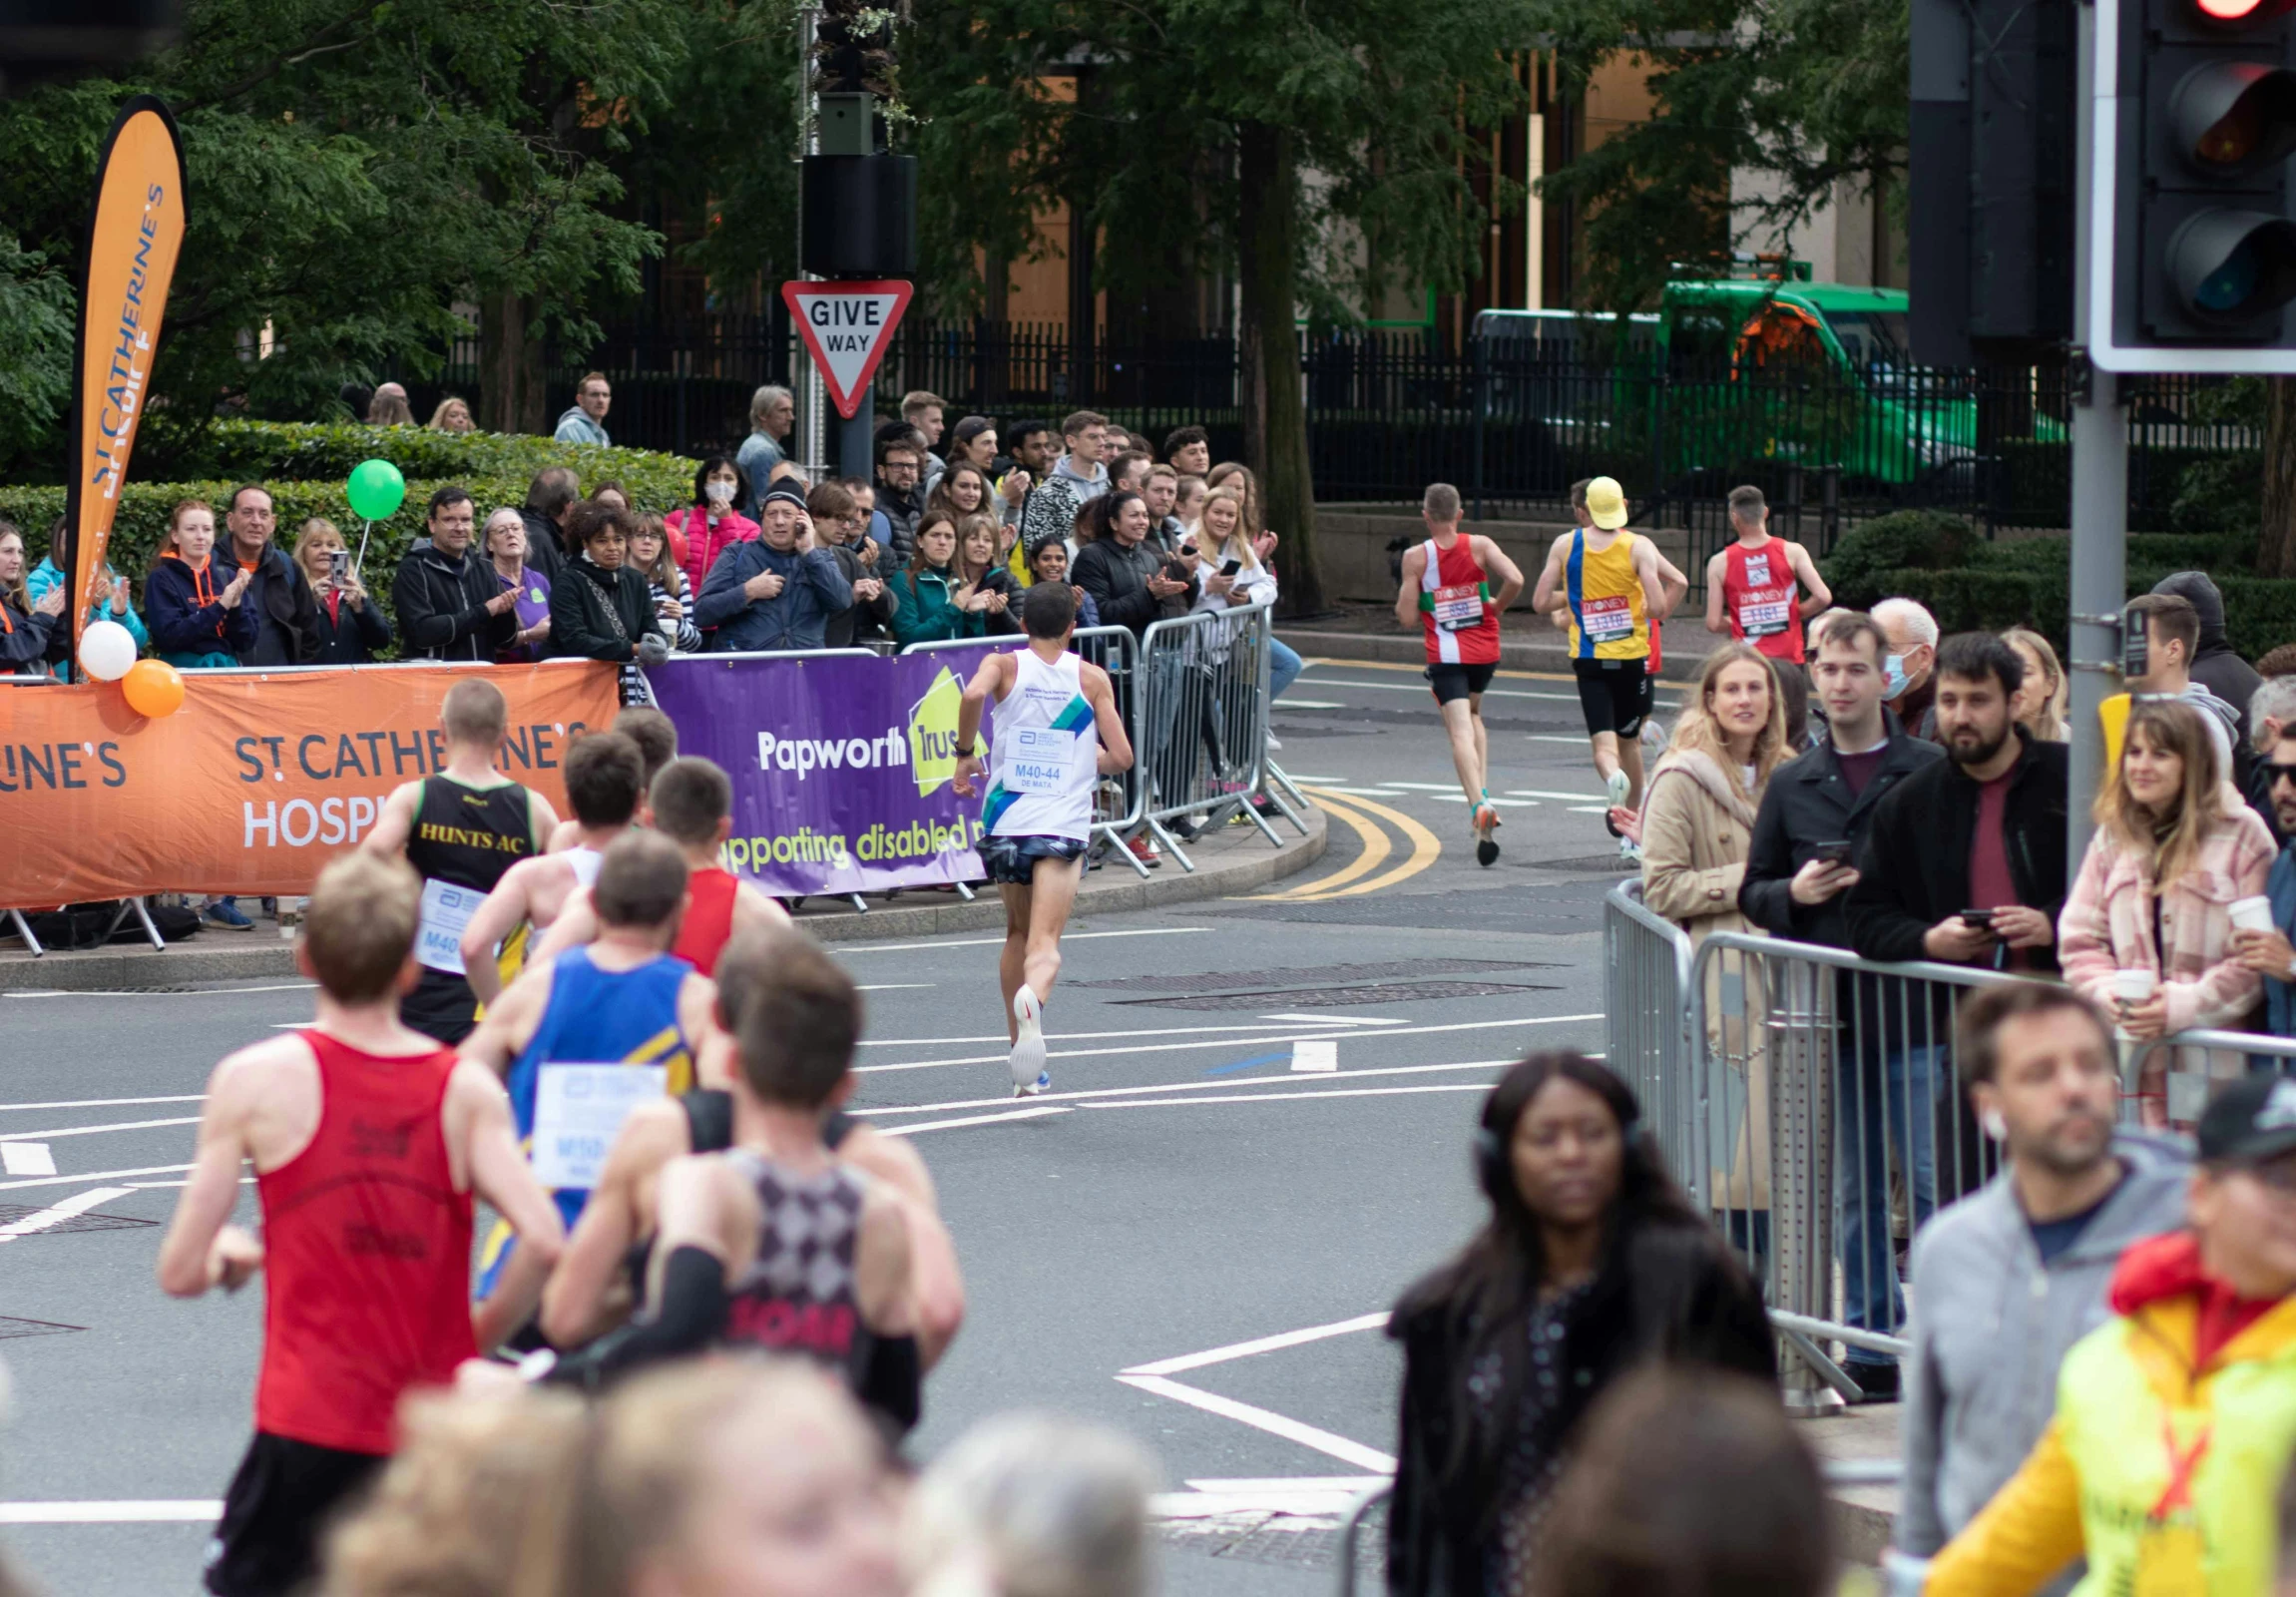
point(450, 603)
point(2214, 665)
point(549, 502)
point(280, 594)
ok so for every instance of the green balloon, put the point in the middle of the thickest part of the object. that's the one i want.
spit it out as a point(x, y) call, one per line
point(375, 489)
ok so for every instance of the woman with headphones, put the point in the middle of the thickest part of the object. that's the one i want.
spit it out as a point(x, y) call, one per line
point(1594, 1262)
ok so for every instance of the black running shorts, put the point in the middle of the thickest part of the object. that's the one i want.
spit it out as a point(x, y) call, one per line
point(1615, 695)
point(1460, 682)
point(1012, 862)
point(278, 1509)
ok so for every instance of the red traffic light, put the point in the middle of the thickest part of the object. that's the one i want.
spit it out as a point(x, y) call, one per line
point(2241, 13)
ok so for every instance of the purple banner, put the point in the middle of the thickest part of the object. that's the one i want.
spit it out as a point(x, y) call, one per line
point(841, 764)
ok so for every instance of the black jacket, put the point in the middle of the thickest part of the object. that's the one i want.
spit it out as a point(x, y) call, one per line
point(441, 605)
point(28, 638)
point(1669, 1292)
point(586, 603)
point(1806, 804)
point(1117, 577)
point(354, 636)
point(543, 550)
point(280, 597)
point(1913, 871)
point(866, 619)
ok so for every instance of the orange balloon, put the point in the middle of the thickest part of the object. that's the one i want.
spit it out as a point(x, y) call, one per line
point(154, 688)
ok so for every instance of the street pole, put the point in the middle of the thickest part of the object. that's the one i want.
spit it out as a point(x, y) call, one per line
point(814, 410)
point(2100, 434)
point(857, 439)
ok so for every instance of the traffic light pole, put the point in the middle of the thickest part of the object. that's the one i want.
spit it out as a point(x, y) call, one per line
point(2100, 436)
point(857, 439)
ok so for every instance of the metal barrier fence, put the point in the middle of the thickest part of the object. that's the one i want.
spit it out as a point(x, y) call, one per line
point(1203, 721)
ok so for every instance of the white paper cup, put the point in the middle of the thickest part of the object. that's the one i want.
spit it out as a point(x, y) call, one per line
point(2252, 915)
point(2134, 986)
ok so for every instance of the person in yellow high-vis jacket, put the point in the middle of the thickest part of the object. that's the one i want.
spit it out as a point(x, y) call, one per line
point(2174, 1419)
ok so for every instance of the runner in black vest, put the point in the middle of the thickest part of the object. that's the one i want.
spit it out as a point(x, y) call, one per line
point(461, 830)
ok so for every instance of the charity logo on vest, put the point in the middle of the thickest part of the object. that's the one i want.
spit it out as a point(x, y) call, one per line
point(825, 1329)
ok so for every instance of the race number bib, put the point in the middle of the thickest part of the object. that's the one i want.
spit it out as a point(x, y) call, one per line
point(1041, 760)
point(1763, 618)
point(1458, 609)
point(446, 912)
point(578, 1110)
point(1606, 619)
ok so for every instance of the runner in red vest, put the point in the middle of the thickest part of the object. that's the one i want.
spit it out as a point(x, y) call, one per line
point(1755, 588)
point(368, 1141)
point(1447, 585)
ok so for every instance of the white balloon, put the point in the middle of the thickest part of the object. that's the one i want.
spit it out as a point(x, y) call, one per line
point(107, 650)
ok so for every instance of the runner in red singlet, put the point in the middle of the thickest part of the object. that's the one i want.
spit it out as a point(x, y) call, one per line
point(1447, 586)
point(1755, 588)
point(368, 1141)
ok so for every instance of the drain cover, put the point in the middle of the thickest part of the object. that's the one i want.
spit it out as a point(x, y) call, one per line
point(32, 1327)
point(1346, 997)
point(89, 1221)
point(1216, 980)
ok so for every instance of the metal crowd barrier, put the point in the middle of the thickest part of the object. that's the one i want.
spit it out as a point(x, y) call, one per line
point(1203, 720)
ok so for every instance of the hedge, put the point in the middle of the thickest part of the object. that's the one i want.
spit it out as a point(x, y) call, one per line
point(312, 451)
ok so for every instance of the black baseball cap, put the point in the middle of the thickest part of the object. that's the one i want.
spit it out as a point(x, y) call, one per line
point(782, 492)
point(2249, 1121)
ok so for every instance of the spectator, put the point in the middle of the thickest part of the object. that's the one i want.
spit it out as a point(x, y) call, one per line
point(2154, 895)
point(549, 502)
point(2040, 703)
point(195, 624)
point(2213, 663)
point(2171, 636)
point(450, 603)
point(452, 415)
point(2162, 1464)
point(1074, 480)
point(1220, 540)
point(1793, 688)
point(1052, 565)
point(1188, 450)
point(1731, 1506)
point(1032, 1506)
point(926, 412)
point(2270, 954)
point(111, 599)
point(1695, 828)
point(665, 584)
point(974, 441)
point(285, 611)
point(1128, 471)
point(353, 397)
point(1912, 635)
point(933, 601)
point(840, 528)
point(1592, 1263)
point(2271, 713)
point(1160, 489)
point(609, 492)
point(711, 523)
point(601, 609)
point(389, 409)
point(773, 412)
point(900, 501)
point(30, 630)
point(2024, 1262)
point(1128, 577)
point(1034, 451)
point(506, 549)
point(350, 625)
point(963, 490)
point(2277, 662)
point(979, 569)
point(585, 419)
point(1188, 503)
point(769, 592)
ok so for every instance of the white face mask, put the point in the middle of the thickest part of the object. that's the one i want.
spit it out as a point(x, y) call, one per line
point(721, 493)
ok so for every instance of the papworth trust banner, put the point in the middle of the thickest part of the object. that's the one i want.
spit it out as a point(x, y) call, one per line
point(842, 765)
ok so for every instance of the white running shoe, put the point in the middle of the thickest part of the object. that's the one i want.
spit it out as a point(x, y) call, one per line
point(1630, 851)
point(1028, 1056)
point(1619, 786)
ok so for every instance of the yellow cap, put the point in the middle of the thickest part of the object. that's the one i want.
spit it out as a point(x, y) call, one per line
point(1606, 503)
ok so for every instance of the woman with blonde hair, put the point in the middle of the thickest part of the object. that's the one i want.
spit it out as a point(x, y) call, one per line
point(452, 415)
point(2148, 927)
point(1233, 473)
point(351, 626)
point(2038, 705)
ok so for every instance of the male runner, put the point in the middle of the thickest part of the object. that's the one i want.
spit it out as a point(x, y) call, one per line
point(1612, 583)
point(656, 736)
point(692, 806)
point(367, 1141)
point(1447, 586)
point(1057, 733)
point(1751, 587)
point(590, 1291)
point(583, 1038)
point(461, 830)
point(605, 777)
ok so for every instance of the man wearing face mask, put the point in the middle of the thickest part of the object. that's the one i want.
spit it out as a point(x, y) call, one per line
point(2008, 1279)
point(1909, 682)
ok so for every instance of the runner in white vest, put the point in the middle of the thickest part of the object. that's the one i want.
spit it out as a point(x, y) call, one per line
point(1056, 734)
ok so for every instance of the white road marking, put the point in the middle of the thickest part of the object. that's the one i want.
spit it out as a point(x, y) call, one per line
point(897, 987)
point(145, 992)
point(1309, 703)
point(27, 1159)
point(998, 942)
point(94, 1174)
point(1275, 1424)
point(1264, 1097)
point(1315, 1055)
point(57, 1214)
point(1240, 1026)
point(1187, 1047)
point(1339, 1020)
point(1425, 787)
point(1038, 1113)
point(875, 1112)
point(107, 1103)
point(91, 1131)
point(1246, 1349)
point(1566, 797)
point(151, 1511)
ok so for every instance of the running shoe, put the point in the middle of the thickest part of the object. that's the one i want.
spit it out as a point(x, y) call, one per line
point(225, 914)
point(1028, 1056)
point(1145, 853)
point(1273, 742)
point(1653, 738)
point(1486, 846)
point(1619, 786)
point(1630, 850)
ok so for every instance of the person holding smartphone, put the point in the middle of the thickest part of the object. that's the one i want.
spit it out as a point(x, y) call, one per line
point(351, 626)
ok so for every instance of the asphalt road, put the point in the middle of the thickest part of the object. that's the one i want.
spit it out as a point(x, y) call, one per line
point(1185, 1188)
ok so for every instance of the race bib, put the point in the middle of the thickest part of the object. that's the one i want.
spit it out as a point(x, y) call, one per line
point(1040, 761)
point(446, 912)
point(1607, 619)
point(1763, 618)
point(579, 1109)
point(1458, 609)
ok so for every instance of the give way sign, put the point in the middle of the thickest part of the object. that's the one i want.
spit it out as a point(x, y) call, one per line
point(848, 327)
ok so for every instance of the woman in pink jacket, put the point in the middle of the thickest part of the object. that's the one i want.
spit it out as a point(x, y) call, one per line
point(702, 534)
point(2174, 848)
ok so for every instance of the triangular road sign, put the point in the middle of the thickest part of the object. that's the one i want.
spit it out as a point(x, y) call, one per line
point(848, 327)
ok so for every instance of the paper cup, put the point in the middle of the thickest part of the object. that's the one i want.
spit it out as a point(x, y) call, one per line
point(2252, 915)
point(2134, 986)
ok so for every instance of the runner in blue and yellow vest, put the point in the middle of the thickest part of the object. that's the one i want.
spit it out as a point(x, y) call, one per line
point(586, 1037)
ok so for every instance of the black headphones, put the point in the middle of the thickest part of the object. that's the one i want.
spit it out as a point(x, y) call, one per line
point(1497, 1176)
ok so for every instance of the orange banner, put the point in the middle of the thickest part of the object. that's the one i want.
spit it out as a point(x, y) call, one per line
point(133, 240)
point(257, 781)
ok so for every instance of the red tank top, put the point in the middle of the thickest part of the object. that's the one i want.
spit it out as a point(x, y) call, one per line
point(1761, 599)
point(367, 1254)
point(708, 918)
point(1456, 613)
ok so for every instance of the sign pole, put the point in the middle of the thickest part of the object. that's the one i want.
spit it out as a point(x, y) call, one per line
point(857, 438)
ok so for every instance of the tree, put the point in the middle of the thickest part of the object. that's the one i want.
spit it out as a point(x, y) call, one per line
point(1324, 151)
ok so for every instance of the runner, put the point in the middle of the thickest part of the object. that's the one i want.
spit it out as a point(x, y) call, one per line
point(1447, 586)
point(692, 806)
point(587, 1035)
point(1617, 590)
point(1753, 586)
point(461, 830)
point(1056, 734)
point(657, 739)
point(605, 777)
point(603, 1270)
point(368, 1141)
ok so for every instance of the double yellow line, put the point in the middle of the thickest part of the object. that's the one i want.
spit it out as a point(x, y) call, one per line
point(1355, 877)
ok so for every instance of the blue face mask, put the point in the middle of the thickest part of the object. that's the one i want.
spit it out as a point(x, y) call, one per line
point(1892, 676)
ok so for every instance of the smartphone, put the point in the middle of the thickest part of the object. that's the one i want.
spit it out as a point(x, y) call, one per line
point(1977, 917)
point(339, 566)
point(1832, 853)
point(1232, 568)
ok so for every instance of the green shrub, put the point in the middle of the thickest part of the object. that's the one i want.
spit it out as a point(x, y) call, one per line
point(305, 451)
point(1871, 553)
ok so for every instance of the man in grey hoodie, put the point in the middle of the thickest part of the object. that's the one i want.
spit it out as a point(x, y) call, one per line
point(1076, 478)
point(2006, 1281)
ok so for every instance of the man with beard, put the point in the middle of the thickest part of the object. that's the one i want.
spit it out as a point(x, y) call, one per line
point(2271, 952)
point(2004, 1281)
